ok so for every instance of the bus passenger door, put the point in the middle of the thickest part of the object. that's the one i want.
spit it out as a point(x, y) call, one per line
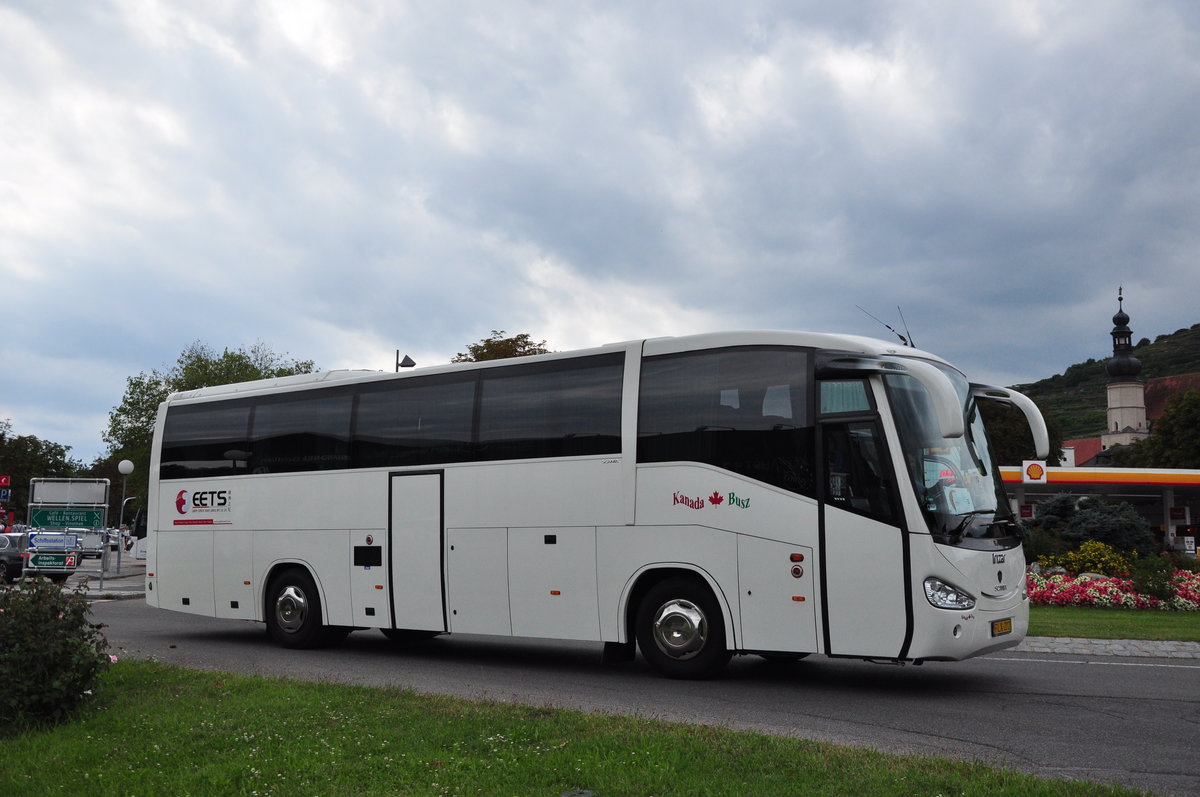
point(415, 551)
point(864, 585)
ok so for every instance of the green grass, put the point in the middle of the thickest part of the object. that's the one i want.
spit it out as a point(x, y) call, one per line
point(1091, 623)
point(155, 730)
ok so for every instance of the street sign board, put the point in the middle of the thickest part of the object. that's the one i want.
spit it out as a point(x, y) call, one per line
point(5, 493)
point(68, 491)
point(52, 559)
point(55, 540)
point(5, 481)
point(64, 516)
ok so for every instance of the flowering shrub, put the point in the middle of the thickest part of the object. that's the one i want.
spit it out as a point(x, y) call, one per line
point(1117, 592)
point(1154, 577)
point(1092, 556)
point(51, 656)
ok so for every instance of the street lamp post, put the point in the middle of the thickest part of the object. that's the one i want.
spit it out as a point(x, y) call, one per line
point(126, 468)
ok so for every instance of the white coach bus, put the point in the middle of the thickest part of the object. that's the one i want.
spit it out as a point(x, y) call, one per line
point(778, 493)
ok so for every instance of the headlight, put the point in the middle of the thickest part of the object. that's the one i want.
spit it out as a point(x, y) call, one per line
point(947, 596)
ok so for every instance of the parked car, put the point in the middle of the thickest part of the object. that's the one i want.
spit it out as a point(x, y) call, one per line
point(11, 562)
point(94, 540)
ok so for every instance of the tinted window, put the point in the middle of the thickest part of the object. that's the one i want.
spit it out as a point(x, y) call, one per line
point(844, 396)
point(206, 439)
point(415, 422)
point(305, 431)
point(857, 479)
point(547, 409)
point(553, 409)
point(742, 409)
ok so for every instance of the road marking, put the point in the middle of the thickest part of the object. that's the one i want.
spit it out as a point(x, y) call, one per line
point(1105, 663)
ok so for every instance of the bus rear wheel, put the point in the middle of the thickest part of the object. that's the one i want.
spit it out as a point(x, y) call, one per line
point(680, 631)
point(293, 612)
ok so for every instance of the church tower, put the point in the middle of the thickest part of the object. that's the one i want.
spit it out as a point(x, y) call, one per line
point(1126, 392)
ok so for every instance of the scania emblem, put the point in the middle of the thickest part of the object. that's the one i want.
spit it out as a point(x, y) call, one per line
point(999, 576)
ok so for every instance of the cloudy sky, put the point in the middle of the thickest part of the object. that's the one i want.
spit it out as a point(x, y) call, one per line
point(339, 180)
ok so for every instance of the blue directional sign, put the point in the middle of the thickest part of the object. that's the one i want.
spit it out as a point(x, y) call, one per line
point(53, 540)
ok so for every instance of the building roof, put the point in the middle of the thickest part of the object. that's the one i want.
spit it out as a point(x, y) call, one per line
point(1086, 449)
point(1159, 391)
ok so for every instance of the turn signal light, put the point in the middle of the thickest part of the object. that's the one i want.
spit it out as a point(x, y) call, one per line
point(797, 557)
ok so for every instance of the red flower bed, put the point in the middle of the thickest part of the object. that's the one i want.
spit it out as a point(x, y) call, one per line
point(1114, 592)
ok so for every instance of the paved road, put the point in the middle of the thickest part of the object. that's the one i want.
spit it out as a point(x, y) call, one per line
point(1124, 720)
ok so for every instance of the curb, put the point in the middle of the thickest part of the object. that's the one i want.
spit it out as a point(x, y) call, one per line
point(1133, 648)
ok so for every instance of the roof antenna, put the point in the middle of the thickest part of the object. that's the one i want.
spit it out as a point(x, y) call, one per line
point(903, 339)
point(910, 341)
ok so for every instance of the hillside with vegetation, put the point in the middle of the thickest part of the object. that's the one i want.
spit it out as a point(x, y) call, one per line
point(1077, 399)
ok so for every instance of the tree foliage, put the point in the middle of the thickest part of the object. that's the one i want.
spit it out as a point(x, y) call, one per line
point(131, 423)
point(24, 457)
point(1008, 432)
point(1174, 441)
point(498, 347)
point(1073, 522)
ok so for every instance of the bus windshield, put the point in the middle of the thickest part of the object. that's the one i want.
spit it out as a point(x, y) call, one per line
point(956, 479)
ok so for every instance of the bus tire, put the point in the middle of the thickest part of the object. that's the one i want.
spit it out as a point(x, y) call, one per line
point(293, 611)
point(680, 630)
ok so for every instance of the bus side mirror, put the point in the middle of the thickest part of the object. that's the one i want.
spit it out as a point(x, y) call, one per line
point(1037, 424)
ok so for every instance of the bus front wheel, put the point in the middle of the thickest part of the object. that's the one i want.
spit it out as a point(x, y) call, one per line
point(294, 611)
point(680, 631)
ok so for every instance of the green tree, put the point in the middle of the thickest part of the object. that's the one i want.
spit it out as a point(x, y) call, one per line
point(1008, 432)
point(1063, 522)
point(24, 457)
point(498, 347)
point(131, 423)
point(1174, 441)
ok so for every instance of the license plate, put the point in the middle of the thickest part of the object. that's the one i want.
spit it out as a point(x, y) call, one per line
point(1002, 627)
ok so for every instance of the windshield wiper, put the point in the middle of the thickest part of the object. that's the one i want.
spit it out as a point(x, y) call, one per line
point(967, 517)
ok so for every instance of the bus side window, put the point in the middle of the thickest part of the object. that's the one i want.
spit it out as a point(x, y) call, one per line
point(745, 409)
point(855, 478)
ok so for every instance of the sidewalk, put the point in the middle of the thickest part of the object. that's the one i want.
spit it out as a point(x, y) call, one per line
point(1110, 647)
point(127, 582)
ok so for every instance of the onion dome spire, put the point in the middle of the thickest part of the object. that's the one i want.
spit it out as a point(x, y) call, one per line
point(1123, 366)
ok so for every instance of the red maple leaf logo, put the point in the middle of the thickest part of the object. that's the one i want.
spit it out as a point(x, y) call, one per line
point(715, 499)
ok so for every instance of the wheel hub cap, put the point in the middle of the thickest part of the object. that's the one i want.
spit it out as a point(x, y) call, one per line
point(291, 608)
point(680, 629)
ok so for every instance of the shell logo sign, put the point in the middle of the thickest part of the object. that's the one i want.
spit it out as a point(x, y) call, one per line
point(1034, 472)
